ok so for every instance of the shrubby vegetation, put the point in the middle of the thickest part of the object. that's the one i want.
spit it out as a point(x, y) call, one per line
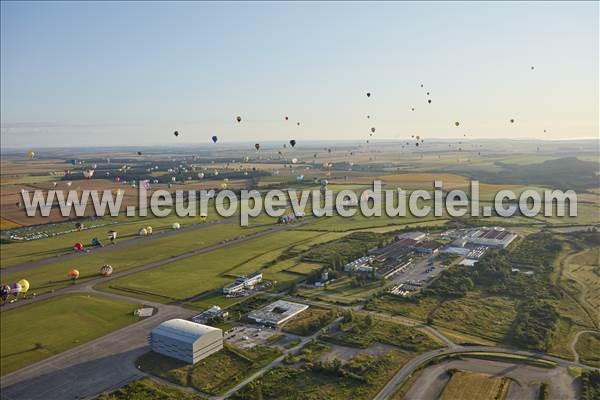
point(310, 321)
point(536, 320)
point(590, 385)
point(144, 389)
point(363, 331)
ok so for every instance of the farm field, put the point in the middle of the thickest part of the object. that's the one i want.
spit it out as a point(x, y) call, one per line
point(197, 275)
point(475, 386)
point(38, 331)
point(53, 276)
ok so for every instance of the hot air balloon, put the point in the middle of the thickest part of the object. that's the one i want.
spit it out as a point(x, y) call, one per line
point(368, 116)
point(286, 118)
point(200, 175)
point(456, 123)
point(412, 109)
point(176, 225)
point(15, 288)
point(176, 133)
point(373, 130)
point(149, 230)
point(24, 285)
point(73, 274)
point(203, 217)
point(292, 143)
point(139, 153)
point(78, 226)
point(294, 160)
point(143, 232)
point(31, 154)
point(4, 292)
point(512, 121)
point(106, 270)
point(298, 123)
point(429, 101)
point(78, 246)
point(214, 139)
point(88, 173)
point(257, 146)
point(112, 236)
point(238, 118)
point(368, 94)
point(96, 242)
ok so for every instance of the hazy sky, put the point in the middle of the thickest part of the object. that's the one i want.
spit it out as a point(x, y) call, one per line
point(132, 73)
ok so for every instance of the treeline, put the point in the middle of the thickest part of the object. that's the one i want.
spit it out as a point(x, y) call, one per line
point(534, 326)
point(590, 385)
point(539, 250)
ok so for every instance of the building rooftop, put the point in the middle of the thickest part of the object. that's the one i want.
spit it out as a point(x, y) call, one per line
point(185, 331)
point(277, 311)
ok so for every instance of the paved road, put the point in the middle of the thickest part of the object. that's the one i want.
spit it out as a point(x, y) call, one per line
point(87, 370)
point(90, 282)
point(573, 343)
point(124, 243)
point(393, 384)
point(525, 384)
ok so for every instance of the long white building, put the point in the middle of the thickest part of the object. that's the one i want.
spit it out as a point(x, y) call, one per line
point(185, 340)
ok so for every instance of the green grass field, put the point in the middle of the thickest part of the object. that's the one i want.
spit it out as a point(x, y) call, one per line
point(200, 274)
point(54, 276)
point(37, 331)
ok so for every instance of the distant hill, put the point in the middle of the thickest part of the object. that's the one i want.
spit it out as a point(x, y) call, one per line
point(563, 173)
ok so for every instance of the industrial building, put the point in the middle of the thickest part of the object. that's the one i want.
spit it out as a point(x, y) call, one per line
point(491, 237)
point(185, 340)
point(242, 283)
point(210, 314)
point(277, 313)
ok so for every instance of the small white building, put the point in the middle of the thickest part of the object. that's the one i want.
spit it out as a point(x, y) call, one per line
point(185, 340)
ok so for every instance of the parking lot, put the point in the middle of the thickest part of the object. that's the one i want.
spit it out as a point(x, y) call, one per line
point(248, 336)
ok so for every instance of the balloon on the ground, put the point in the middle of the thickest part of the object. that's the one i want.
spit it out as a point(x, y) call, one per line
point(73, 274)
point(106, 270)
point(24, 285)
